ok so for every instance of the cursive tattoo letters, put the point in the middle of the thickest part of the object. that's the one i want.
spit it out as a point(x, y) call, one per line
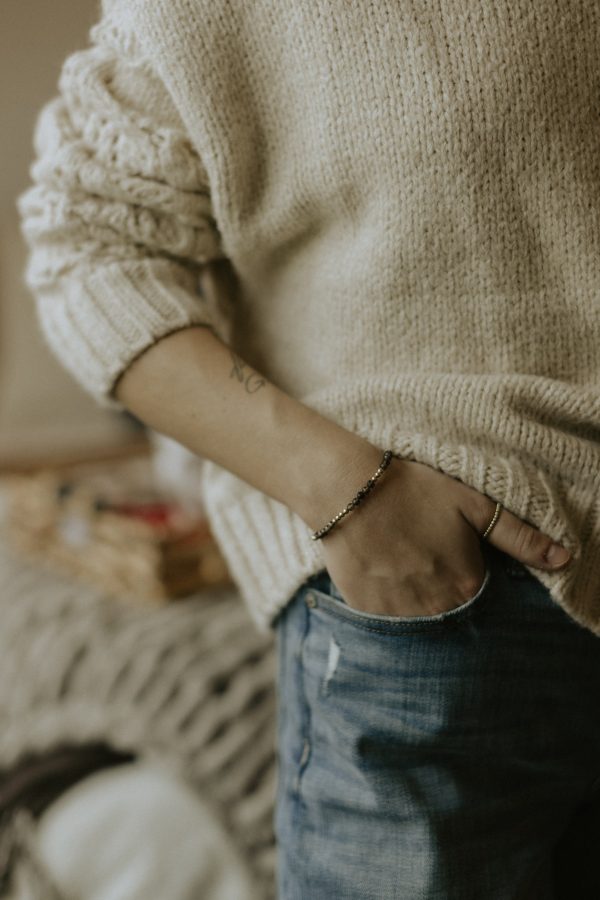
point(245, 375)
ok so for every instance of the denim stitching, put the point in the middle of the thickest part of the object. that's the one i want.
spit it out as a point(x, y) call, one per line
point(400, 628)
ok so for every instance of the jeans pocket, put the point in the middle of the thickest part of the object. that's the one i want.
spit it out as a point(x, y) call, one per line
point(324, 593)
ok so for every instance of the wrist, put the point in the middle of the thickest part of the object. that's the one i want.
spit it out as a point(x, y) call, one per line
point(330, 474)
point(313, 465)
point(357, 499)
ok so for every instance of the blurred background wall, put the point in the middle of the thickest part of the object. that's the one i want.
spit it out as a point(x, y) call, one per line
point(43, 414)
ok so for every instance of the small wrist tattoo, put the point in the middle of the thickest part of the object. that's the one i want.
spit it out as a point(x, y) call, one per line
point(242, 372)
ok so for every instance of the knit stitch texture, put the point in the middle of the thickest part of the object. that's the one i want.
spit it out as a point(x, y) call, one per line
point(410, 197)
point(189, 686)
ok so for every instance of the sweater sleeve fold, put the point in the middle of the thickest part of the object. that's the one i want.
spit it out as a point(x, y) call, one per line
point(118, 217)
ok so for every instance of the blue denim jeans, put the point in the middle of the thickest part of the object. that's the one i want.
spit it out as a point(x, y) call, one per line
point(454, 756)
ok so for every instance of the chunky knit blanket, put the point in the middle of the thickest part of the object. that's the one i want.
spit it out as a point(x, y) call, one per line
point(190, 685)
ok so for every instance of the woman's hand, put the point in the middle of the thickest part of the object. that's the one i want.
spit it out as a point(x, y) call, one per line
point(413, 547)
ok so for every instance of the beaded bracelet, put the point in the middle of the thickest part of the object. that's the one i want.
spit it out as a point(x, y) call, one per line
point(358, 498)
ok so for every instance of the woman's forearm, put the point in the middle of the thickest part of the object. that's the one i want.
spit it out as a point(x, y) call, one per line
point(195, 389)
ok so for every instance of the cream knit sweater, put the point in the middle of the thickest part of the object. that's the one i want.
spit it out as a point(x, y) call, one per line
point(410, 197)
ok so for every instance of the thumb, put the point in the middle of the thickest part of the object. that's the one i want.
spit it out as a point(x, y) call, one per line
point(518, 538)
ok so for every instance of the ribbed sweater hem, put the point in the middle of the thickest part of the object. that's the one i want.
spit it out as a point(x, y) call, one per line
point(270, 553)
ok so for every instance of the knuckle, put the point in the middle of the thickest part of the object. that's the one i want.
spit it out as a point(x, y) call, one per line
point(526, 538)
point(482, 510)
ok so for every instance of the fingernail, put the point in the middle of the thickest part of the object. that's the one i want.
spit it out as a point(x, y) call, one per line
point(557, 555)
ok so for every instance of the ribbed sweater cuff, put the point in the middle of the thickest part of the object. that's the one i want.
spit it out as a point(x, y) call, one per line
point(270, 554)
point(98, 321)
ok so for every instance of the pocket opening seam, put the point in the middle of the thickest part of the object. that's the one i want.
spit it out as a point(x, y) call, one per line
point(337, 606)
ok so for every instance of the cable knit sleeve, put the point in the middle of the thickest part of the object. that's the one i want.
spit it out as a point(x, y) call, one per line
point(118, 217)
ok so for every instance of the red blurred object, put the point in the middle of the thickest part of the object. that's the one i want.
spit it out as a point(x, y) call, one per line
point(109, 524)
point(153, 513)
